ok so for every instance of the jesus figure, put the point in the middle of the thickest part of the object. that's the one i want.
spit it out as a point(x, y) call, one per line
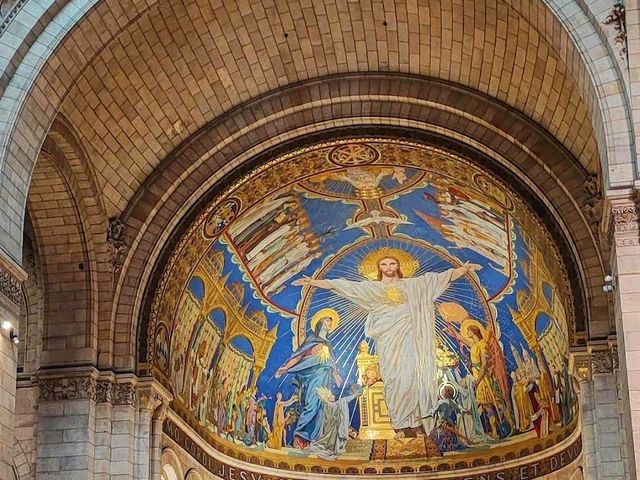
point(401, 321)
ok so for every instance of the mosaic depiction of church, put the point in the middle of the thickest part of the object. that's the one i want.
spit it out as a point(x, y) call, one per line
point(364, 300)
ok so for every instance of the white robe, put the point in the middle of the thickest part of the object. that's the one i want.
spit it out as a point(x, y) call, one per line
point(404, 333)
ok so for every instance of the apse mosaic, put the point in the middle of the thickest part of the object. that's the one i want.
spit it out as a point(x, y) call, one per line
point(367, 300)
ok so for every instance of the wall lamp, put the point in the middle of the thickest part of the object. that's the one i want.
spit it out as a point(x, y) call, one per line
point(8, 327)
point(608, 284)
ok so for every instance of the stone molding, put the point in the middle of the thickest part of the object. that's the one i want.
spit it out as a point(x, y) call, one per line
point(8, 11)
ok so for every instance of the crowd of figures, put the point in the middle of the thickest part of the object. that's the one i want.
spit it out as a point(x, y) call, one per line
point(239, 414)
point(311, 420)
point(276, 242)
point(484, 405)
point(477, 404)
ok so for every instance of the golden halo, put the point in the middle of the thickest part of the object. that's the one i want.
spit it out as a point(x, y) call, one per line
point(464, 328)
point(444, 385)
point(326, 312)
point(369, 265)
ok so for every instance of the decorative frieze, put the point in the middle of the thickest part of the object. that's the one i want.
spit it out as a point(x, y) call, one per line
point(544, 465)
point(123, 394)
point(60, 389)
point(598, 358)
point(624, 226)
point(115, 393)
point(10, 286)
point(103, 392)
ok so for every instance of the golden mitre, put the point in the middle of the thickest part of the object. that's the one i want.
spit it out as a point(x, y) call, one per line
point(369, 265)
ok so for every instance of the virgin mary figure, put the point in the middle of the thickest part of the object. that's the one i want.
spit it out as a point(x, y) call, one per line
point(313, 368)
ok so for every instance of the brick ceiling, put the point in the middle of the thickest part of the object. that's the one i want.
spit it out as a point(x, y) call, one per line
point(178, 66)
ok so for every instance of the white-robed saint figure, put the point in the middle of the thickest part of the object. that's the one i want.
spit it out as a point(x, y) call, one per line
point(401, 320)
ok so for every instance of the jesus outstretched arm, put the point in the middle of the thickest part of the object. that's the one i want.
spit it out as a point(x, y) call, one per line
point(367, 295)
point(388, 269)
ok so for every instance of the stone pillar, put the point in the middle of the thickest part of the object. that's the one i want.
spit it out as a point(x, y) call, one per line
point(115, 428)
point(123, 430)
point(153, 400)
point(624, 240)
point(11, 278)
point(609, 434)
point(582, 371)
point(603, 435)
point(104, 414)
point(99, 426)
point(66, 425)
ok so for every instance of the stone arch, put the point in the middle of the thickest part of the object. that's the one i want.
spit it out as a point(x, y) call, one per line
point(32, 310)
point(193, 474)
point(613, 124)
point(61, 243)
point(62, 143)
point(171, 465)
point(32, 100)
point(21, 465)
point(208, 154)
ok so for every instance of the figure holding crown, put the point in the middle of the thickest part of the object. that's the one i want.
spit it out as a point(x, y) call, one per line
point(401, 320)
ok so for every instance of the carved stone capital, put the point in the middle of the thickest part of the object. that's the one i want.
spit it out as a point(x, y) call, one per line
point(149, 400)
point(602, 361)
point(73, 388)
point(124, 394)
point(624, 228)
point(592, 207)
point(581, 362)
point(151, 395)
point(116, 243)
point(103, 392)
point(597, 358)
point(616, 21)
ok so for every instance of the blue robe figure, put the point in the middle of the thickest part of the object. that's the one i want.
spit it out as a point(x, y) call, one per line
point(445, 434)
point(313, 367)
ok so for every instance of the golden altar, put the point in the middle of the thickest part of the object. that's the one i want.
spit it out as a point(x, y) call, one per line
point(374, 414)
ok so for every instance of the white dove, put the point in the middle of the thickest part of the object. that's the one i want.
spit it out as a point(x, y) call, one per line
point(377, 218)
